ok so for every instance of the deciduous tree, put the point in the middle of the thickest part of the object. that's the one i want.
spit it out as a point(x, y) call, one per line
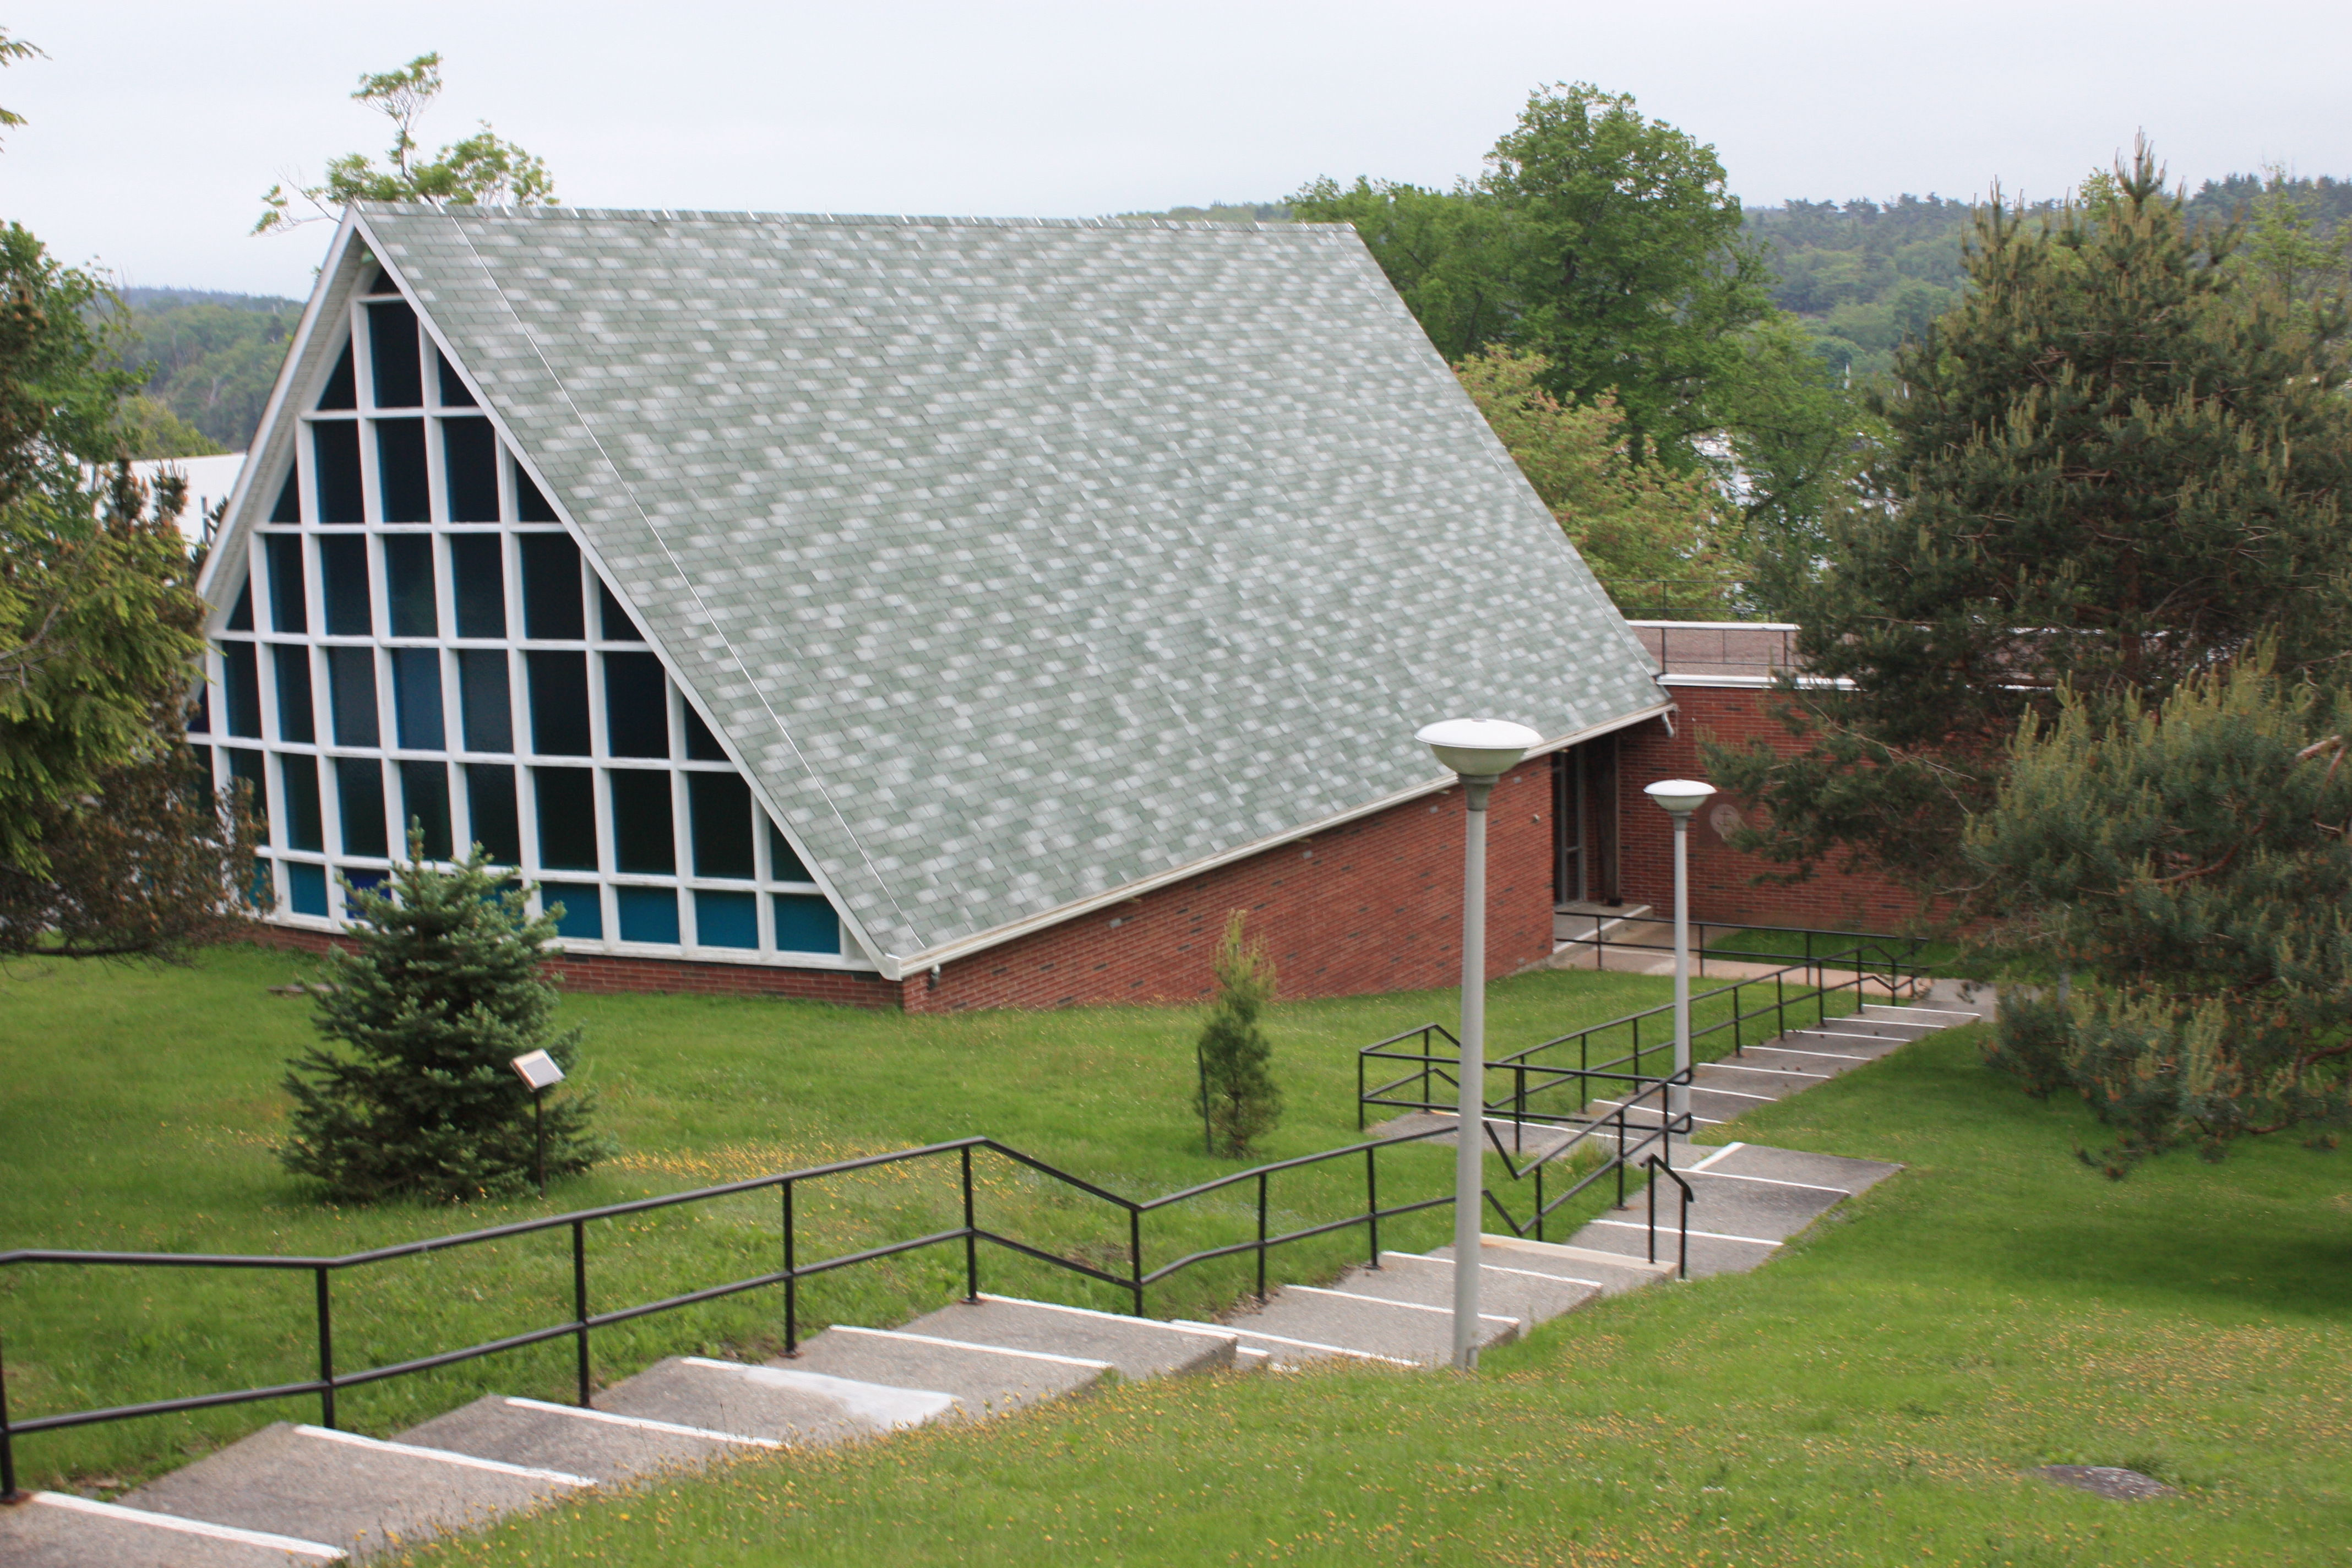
point(480, 168)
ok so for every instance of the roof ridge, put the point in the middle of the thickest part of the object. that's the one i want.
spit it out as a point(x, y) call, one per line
point(892, 220)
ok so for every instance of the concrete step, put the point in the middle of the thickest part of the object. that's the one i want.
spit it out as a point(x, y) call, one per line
point(1847, 1043)
point(1836, 1172)
point(1135, 1347)
point(55, 1529)
point(1934, 1018)
point(784, 1403)
point(1303, 1322)
point(1782, 1074)
point(344, 1491)
point(1530, 1296)
point(605, 1443)
point(1743, 1206)
point(1611, 1273)
point(1876, 1028)
point(1626, 1233)
point(983, 1379)
point(1823, 1063)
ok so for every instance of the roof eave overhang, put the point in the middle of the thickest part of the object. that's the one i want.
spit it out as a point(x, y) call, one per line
point(895, 966)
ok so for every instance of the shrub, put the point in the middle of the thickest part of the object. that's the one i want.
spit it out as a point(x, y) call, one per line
point(439, 995)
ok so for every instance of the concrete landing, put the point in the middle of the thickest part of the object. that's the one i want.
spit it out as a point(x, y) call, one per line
point(58, 1530)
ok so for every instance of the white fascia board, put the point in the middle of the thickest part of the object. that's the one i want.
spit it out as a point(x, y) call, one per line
point(1720, 625)
point(554, 498)
point(238, 521)
point(895, 966)
point(1756, 682)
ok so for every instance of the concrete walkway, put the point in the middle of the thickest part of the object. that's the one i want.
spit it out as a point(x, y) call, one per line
point(304, 1495)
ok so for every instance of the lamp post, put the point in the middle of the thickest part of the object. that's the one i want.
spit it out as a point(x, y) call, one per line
point(1679, 798)
point(1480, 752)
point(537, 1069)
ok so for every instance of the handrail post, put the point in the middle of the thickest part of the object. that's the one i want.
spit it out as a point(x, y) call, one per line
point(580, 1301)
point(8, 1492)
point(1652, 1163)
point(1539, 1208)
point(1261, 1239)
point(791, 1282)
point(971, 1232)
point(1359, 1090)
point(1372, 1202)
point(326, 1354)
point(1135, 1253)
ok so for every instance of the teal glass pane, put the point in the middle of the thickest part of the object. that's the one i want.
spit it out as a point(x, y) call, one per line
point(584, 909)
point(726, 919)
point(806, 924)
point(649, 914)
point(305, 888)
point(264, 889)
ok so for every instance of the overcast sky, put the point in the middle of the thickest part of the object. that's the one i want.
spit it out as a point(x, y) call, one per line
point(155, 128)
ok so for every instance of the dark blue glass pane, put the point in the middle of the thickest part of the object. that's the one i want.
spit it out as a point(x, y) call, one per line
point(408, 587)
point(305, 827)
point(558, 703)
point(478, 575)
point(643, 840)
point(289, 501)
point(416, 697)
point(483, 696)
point(335, 472)
point(241, 675)
point(784, 866)
point(727, 919)
point(364, 880)
point(721, 810)
point(701, 745)
point(530, 504)
point(295, 718)
point(351, 691)
point(550, 588)
point(343, 577)
point(453, 386)
point(566, 798)
point(240, 613)
point(307, 886)
point(425, 802)
point(584, 909)
point(391, 352)
point(806, 924)
point(649, 914)
point(247, 767)
point(619, 625)
point(469, 460)
point(358, 794)
point(490, 802)
point(400, 470)
point(341, 390)
point(287, 595)
point(200, 716)
point(636, 706)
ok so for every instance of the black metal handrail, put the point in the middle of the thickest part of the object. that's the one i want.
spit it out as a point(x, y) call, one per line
point(583, 1321)
point(1885, 951)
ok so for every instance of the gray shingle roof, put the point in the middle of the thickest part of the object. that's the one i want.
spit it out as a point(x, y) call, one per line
point(1022, 561)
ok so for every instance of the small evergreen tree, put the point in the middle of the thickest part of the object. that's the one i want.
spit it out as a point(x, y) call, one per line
point(440, 994)
point(2185, 866)
point(1239, 1100)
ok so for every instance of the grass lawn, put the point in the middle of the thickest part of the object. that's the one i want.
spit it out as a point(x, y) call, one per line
point(1869, 1397)
point(141, 1107)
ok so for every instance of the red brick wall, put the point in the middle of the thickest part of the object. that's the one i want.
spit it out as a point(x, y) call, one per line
point(1723, 885)
point(600, 974)
point(1372, 906)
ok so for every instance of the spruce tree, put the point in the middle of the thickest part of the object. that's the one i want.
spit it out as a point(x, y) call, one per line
point(2108, 468)
point(439, 993)
point(1239, 1100)
point(2184, 865)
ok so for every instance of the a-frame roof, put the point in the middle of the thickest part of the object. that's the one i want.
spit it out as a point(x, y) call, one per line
point(1019, 562)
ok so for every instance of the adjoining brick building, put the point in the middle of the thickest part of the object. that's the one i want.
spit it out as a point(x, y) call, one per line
point(932, 612)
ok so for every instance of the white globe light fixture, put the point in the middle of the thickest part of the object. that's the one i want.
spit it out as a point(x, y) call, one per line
point(1480, 751)
point(1680, 798)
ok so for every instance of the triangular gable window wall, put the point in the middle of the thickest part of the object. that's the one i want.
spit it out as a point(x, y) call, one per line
point(417, 639)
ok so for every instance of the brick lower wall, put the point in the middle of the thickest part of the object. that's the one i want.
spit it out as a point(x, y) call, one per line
point(1373, 906)
point(1723, 884)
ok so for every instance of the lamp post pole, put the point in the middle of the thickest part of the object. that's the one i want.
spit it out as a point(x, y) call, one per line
point(1480, 752)
point(1680, 798)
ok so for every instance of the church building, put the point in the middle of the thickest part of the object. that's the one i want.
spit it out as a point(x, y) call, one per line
point(922, 613)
